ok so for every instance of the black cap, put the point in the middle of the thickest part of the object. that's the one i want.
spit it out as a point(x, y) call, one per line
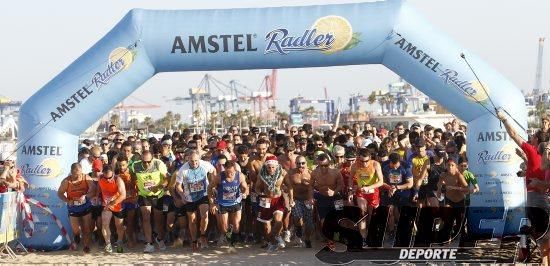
point(255, 130)
point(439, 150)
point(415, 125)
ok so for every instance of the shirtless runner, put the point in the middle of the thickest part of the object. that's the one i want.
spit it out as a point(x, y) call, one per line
point(272, 206)
point(300, 178)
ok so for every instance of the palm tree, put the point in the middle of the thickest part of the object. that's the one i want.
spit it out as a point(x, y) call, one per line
point(177, 119)
point(223, 118)
point(390, 101)
point(168, 120)
point(115, 120)
point(213, 119)
point(246, 116)
point(197, 117)
point(372, 98)
point(382, 102)
point(134, 124)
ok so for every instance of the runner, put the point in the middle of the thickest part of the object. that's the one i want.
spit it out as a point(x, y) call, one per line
point(453, 188)
point(151, 179)
point(231, 188)
point(270, 180)
point(113, 193)
point(327, 183)
point(192, 183)
point(398, 180)
point(300, 179)
point(287, 161)
point(77, 190)
point(130, 203)
point(250, 207)
point(368, 175)
point(420, 168)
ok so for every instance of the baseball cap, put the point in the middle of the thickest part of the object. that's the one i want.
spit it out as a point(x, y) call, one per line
point(255, 130)
point(339, 150)
point(439, 150)
point(417, 125)
point(167, 142)
point(221, 145)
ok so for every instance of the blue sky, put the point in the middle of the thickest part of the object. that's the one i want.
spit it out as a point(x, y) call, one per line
point(41, 38)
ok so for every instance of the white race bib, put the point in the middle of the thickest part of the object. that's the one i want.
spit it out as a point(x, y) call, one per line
point(265, 203)
point(229, 196)
point(148, 185)
point(79, 202)
point(339, 204)
point(395, 179)
point(196, 187)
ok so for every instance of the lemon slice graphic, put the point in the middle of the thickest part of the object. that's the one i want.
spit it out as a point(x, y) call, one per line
point(339, 27)
point(480, 95)
point(122, 53)
point(54, 167)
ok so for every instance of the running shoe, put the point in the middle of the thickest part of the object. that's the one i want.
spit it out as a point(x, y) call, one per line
point(118, 246)
point(108, 248)
point(299, 243)
point(287, 236)
point(195, 246)
point(86, 250)
point(272, 248)
point(161, 244)
point(365, 243)
point(203, 242)
point(280, 242)
point(149, 248)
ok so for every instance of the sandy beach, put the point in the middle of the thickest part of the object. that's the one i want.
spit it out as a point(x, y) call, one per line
point(249, 255)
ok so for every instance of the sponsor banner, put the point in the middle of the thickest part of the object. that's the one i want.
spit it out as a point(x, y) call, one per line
point(9, 211)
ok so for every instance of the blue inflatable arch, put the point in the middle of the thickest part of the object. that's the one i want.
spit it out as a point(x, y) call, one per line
point(146, 42)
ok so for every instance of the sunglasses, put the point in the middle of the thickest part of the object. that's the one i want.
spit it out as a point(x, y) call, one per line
point(339, 157)
point(293, 131)
point(301, 163)
point(120, 139)
point(319, 145)
point(365, 161)
point(148, 161)
point(324, 165)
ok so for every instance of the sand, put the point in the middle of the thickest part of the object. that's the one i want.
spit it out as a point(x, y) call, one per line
point(248, 255)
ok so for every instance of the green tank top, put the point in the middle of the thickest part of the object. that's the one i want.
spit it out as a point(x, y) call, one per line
point(146, 179)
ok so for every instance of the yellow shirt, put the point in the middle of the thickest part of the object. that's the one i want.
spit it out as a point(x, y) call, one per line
point(366, 176)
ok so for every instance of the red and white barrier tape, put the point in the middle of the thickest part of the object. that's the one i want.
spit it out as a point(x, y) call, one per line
point(27, 214)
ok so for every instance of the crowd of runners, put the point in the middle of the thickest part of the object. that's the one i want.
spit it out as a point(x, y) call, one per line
point(271, 188)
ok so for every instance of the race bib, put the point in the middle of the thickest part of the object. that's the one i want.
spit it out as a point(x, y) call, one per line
point(79, 202)
point(196, 187)
point(395, 178)
point(165, 207)
point(265, 203)
point(339, 204)
point(148, 185)
point(106, 200)
point(424, 181)
point(253, 197)
point(229, 196)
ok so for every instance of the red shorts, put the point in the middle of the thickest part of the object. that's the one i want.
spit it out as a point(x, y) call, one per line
point(373, 199)
point(276, 205)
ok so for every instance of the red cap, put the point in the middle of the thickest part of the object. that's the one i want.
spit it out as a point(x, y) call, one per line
point(97, 165)
point(221, 145)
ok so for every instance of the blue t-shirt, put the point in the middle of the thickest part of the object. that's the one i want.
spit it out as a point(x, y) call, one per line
point(398, 176)
point(195, 181)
